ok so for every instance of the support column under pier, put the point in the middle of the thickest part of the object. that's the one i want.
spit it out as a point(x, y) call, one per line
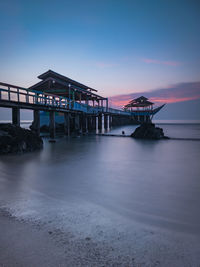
point(100, 121)
point(94, 120)
point(105, 121)
point(16, 116)
point(84, 123)
point(110, 121)
point(67, 123)
point(77, 123)
point(36, 120)
point(89, 123)
point(52, 124)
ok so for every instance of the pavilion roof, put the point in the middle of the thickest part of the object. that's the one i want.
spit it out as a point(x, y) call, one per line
point(139, 102)
point(55, 83)
point(53, 74)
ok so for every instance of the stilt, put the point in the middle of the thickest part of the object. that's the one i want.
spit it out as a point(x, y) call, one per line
point(52, 124)
point(105, 121)
point(16, 116)
point(94, 123)
point(36, 117)
point(100, 122)
point(83, 123)
point(66, 124)
point(77, 122)
point(110, 121)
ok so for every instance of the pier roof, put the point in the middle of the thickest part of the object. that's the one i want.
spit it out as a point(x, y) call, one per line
point(55, 83)
point(139, 102)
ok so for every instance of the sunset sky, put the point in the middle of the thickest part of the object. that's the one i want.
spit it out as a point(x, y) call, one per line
point(121, 47)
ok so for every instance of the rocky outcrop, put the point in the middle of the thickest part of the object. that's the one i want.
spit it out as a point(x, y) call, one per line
point(148, 131)
point(14, 139)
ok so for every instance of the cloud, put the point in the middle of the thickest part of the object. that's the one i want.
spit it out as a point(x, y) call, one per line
point(155, 61)
point(174, 93)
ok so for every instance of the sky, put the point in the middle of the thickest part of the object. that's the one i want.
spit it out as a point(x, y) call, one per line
point(123, 48)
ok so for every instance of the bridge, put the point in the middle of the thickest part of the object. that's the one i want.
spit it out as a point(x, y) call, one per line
point(82, 108)
point(15, 97)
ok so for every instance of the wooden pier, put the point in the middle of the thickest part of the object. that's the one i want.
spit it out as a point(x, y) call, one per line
point(81, 106)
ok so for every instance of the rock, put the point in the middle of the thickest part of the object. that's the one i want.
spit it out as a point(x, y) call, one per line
point(148, 131)
point(14, 139)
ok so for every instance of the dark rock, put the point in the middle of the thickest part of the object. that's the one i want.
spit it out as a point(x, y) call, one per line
point(14, 139)
point(148, 131)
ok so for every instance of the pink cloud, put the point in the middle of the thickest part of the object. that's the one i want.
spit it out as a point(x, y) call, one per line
point(155, 61)
point(174, 93)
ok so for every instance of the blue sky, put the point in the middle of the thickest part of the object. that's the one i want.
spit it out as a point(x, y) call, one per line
point(118, 47)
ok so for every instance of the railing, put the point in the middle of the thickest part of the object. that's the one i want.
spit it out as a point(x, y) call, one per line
point(22, 95)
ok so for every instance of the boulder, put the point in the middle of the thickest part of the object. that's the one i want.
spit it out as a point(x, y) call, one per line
point(14, 139)
point(148, 131)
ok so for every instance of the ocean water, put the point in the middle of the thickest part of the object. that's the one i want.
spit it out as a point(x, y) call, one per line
point(138, 196)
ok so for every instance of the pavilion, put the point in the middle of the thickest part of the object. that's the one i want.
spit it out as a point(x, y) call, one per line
point(56, 84)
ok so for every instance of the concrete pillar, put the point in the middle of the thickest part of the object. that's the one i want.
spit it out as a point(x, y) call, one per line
point(67, 123)
point(90, 123)
point(83, 123)
point(100, 122)
point(77, 122)
point(36, 117)
point(110, 121)
point(52, 124)
point(105, 121)
point(16, 116)
point(94, 123)
point(86, 124)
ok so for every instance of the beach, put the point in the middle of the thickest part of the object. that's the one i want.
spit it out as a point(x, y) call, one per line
point(103, 201)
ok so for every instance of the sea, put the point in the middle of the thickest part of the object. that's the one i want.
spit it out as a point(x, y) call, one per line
point(140, 196)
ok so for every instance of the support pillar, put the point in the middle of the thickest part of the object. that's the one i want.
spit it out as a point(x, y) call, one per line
point(94, 123)
point(77, 123)
point(16, 116)
point(105, 121)
point(52, 124)
point(67, 123)
point(83, 123)
point(36, 117)
point(86, 124)
point(90, 126)
point(100, 122)
point(110, 121)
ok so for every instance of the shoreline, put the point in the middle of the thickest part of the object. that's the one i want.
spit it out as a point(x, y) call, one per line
point(26, 243)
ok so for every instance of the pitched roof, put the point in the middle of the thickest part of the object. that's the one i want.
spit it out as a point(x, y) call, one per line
point(53, 74)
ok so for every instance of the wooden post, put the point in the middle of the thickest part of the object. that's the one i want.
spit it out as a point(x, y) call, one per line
point(77, 122)
point(16, 116)
point(52, 124)
point(94, 123)
point(86, 124)
point(67, 118)
point(110, 121)
point(105, 121)
point(36, 117)
point(100, 122)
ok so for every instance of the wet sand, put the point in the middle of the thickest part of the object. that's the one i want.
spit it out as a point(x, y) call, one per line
point(24, 244)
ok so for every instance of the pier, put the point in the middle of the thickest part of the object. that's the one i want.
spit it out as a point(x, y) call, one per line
point(82, 108)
